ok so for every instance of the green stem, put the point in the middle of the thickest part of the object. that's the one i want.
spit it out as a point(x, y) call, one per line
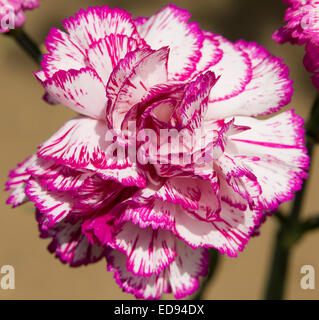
point(26, 43)
point(310, 224)
point(278, 273)
point(290, 231)
point(213, 266)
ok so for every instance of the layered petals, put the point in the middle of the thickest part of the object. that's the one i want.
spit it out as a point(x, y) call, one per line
point(181, 277)
point(268, 89)
point(17, 182)
point(81, 144)
point(278, 173)
point(70, 245)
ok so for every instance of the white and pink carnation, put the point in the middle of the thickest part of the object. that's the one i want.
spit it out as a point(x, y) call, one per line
point(152, 85)
point(12, 13)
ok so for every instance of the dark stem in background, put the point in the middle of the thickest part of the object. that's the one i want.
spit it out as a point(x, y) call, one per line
point(214, 257)
point(26, 43)
point(290, 231)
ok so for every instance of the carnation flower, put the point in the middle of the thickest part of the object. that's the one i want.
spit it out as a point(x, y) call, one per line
point(12, 13)
point(205, 170)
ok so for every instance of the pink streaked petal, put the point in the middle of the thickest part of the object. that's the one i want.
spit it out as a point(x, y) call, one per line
point(121, 72)
point(17, 182)
point(185, 270)
point(53, 206)
point(169, 27)
point(99, 228)
point(274, 152)
point(230, 196)
point(156, 105)
point(98, 22)
point(239, 177)
point(181, 277)
point(209, 204)
point(229, 233)
point(194, 102)
point(142, 287)
point(130, 175)
point(270, 137)
point(211, 54)
point(105, 54)
point(77, 144)
point(80, 90)
point(150, 213)
point(95, 193)
point(224, 129)
point(150, 71)
point(234, 69)
point(57, 177)
point(63, 54)
point(268, 90)
point(148, 251)
point(81, 144)
point(180, 190)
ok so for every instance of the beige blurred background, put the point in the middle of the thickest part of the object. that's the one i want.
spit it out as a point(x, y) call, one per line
point(26, 121)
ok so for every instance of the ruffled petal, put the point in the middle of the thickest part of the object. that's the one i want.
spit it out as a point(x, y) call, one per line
point(211, 54)
point(120, 74)
point(302, 22)
point(150, 213)
point(228, 233)
point(234, 69)
point(95, 193)
point(194, 102)
point(148, 252)
point(63, 54)
point(17, 182)
point(181, 277)
point(239, 177)
point(105, 54)
point(273, 150)
point(169, 27)
point(148, 72)
point(96, 23)
point(142, 287)
point(81, 144)
point(184, 272)
point(268, 90)
point(71, 246)
point(80, 90)
point(53, 206)
point(57, 177)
